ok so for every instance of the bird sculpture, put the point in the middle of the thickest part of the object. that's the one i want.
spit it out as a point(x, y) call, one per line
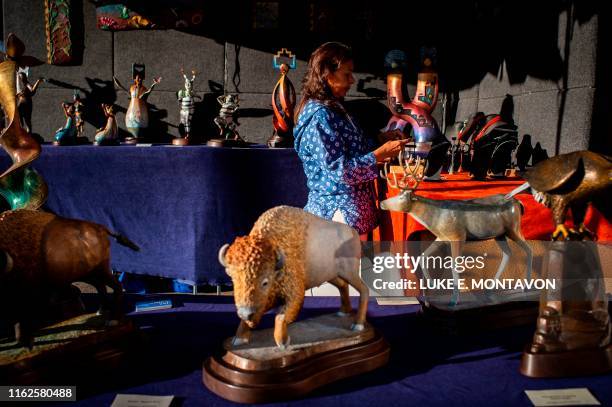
point(571, 181)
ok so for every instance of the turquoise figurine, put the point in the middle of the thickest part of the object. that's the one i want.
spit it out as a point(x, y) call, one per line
point(67, 135)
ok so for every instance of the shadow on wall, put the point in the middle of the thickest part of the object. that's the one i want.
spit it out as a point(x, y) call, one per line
point(473, 38)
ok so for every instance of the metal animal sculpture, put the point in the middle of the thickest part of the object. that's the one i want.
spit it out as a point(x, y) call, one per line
point(571, 181)
point(430, 142)
point(107, 135)
point(287, 252)
point(492, 217)
point(46, 252)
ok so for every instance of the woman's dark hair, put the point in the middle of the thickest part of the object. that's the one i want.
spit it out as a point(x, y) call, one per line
point(324, 60)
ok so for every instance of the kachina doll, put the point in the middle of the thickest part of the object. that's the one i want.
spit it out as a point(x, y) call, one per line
point(186, 98)
point(78, 114)
point(107, 136)
point(137, 115)
point(67, 135)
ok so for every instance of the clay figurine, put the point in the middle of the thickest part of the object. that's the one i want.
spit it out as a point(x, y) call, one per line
point(227, 122)
point(67, 135)
point(107, 135)
point(137, 115)
point(283, 103)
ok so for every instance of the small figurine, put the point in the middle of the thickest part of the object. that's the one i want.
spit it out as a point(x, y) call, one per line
point(289, 251)
point(491, 217)
point(430, 142)
point(227, 122)
point(45, 250)
point(137, 115)
point(107, 136)
point(283, 102)
point(15, 50)
point(78, 114)
point(186, 97)
point(67, 135)
point(571, 181)
point(486, 143)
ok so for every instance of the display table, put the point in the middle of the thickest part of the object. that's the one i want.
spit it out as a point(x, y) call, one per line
point(179, 204)
point(536, 222)
point(427, 367)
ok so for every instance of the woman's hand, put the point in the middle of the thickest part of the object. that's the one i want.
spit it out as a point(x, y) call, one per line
point(390, 149)
point(390, 135)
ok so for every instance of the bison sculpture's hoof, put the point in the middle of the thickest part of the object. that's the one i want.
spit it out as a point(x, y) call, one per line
point(112, 322)
point(357, 327)
point(342, 314)
point(284, 345)
point(236, 341)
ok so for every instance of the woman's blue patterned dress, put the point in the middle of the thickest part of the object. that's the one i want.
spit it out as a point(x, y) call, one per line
point(339, 167)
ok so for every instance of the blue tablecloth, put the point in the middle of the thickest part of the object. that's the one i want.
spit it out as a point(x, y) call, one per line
point(179, 204)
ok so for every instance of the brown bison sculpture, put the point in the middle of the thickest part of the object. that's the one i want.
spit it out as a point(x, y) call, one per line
point(287, 252)
point(45, 253)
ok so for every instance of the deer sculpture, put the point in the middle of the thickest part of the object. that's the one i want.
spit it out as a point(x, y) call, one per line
point(456, 221)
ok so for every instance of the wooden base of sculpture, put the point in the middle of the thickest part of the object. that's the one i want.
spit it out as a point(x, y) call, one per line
point(468, 321)
point(218, 142)
point(180, 141)
point(322, 350)
point(583, 362)
point(73, 347)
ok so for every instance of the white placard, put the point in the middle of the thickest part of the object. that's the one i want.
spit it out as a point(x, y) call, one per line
point(141, 400)
point(562, 397)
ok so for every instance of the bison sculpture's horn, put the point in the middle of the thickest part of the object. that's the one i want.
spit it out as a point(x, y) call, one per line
point(6, 262)
point(280, 260)
point(222, 252)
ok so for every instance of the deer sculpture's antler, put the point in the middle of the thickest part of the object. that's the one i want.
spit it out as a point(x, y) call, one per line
point(412, 176)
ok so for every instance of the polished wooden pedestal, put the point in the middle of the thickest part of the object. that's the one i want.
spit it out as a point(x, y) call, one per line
point(582, 362)
point(471, 320)
point(74, 348)
point(323, 350)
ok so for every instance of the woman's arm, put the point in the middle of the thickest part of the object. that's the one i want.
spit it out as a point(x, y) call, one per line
point(327, 147)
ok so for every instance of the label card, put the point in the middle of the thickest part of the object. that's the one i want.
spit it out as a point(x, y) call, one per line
point(562, 397)
point(141, 400)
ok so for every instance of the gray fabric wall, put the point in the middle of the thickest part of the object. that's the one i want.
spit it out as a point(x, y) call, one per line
point(539, 61)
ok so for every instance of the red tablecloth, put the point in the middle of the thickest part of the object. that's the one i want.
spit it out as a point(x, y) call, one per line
point(536, 224)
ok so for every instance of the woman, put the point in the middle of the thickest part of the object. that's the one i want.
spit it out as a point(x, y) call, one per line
point(339, 166)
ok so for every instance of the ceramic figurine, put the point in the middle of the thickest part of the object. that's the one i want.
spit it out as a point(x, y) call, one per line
point(430, 142)
point(227, 122)
point(67, 135)
point(283, 103)
point(492, 217)
point(137, 115)
point(271, 264)
point(186, 98)
point(44, 250)
point(108, 135)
